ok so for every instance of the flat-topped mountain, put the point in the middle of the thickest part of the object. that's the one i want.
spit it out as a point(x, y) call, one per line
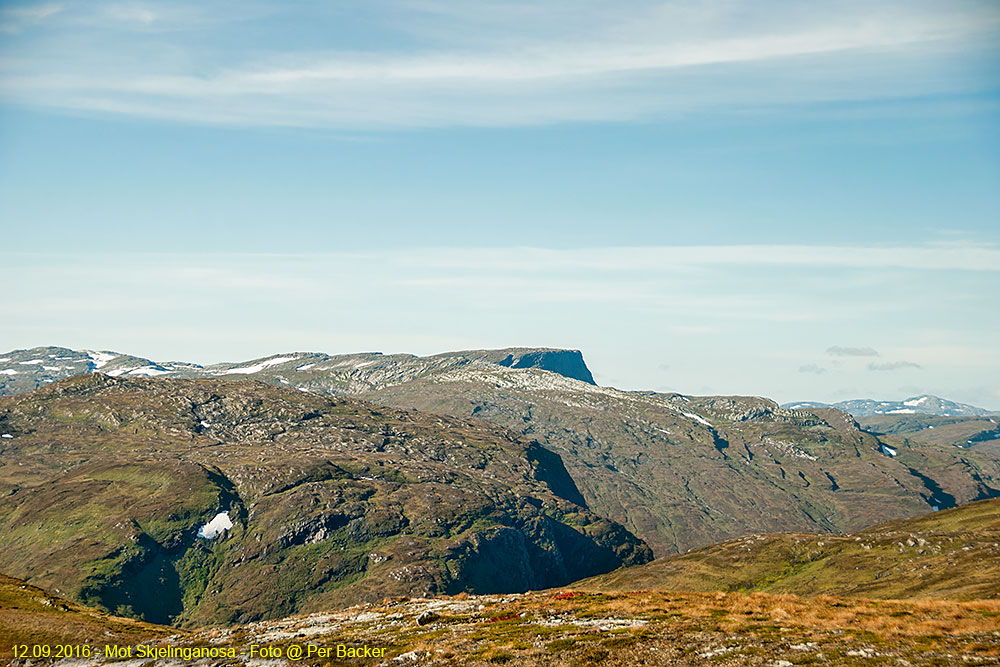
point(953, 554)
point(916, 405)
point(24, 370)
point(213, 501)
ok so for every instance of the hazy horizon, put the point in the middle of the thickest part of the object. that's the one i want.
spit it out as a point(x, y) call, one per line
point(782, 199)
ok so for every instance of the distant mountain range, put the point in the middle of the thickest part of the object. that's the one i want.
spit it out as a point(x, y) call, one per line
point(368, 475)
point(916, 405)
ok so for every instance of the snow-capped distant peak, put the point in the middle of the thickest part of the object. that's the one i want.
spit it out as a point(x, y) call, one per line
point(924, 404)
point(914, 402)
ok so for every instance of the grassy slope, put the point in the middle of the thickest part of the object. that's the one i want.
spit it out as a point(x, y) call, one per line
point(949, 554)
point(30, 615)
point(638, 628)
point(106, 481)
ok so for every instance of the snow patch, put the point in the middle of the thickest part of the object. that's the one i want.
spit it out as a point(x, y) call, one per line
point(888, 451)
point(258, 367)
point(914, 402)
point(6, 435)
point(33, 362)
point(691, 415)
point(8, 371)
point(901, 411)
point(216, 526)
point(148, 371)
point(100, 358)
point(305, 367)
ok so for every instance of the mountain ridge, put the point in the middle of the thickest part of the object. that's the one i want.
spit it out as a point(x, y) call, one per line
point(26, 369)
point(923, 404)
point(678, 471)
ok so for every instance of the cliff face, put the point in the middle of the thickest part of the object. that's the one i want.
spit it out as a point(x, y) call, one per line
point(568, 363)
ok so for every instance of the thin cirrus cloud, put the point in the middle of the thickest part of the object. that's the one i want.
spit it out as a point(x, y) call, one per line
point(671, 259)
point(655, 59)
point(893, 366)
point(15, 19)
point(841, 351)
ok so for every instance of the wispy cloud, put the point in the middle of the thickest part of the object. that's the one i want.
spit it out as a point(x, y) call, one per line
point(16, 18)
point(812, 368)
point(673, 259)
point(893, 366)
point(654, 59)
point(840, 351)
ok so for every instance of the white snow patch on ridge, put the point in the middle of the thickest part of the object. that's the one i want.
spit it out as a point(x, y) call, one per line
point(691, 415)
point(100, 358)
point(8, 372)
point(256, 368)
point(914, 402)
point(888, 451)
point(221, 522)
point(149, 371)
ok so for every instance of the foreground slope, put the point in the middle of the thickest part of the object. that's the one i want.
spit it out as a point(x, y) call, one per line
point(105, 483)
point(949, 554)
point(573, 629)
point(30, 615)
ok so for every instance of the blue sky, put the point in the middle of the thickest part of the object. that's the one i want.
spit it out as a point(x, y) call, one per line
point(705, 197)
